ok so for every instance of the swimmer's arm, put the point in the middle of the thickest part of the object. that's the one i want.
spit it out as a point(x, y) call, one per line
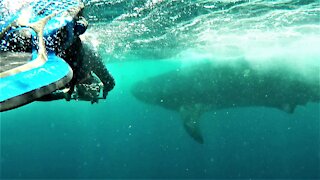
point(99, 68)
point(103, 74)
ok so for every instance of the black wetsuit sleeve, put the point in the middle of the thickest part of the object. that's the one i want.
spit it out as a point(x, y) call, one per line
point(98, 67)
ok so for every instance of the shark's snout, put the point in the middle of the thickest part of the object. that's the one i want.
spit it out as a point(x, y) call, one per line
point(142, 91)
point(136, 90)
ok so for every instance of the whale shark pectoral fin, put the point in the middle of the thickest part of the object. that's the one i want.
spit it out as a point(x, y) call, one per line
point(288, 108)
point(192, 128)
point(191, 116)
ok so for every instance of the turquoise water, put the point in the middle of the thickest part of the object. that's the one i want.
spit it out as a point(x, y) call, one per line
point(123, 137)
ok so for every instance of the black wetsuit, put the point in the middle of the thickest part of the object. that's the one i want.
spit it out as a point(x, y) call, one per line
point(83, 60)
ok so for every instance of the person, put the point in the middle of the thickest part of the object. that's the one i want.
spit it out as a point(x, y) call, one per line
point(89, 72)
point(42, 57)
point(90, 75)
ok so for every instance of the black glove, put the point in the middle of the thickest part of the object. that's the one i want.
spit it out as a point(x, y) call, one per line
point(108, 86)
point(105, 93)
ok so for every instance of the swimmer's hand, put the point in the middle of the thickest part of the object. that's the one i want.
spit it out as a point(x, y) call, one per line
point(108, 86)
point(105, 93)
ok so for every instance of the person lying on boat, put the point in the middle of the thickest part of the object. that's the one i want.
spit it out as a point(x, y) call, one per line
point(90, 75)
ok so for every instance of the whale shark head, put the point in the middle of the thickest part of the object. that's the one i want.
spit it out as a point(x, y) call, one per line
point(145, 92)
point(157, 91)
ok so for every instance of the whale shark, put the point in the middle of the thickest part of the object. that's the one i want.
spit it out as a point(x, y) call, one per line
point(211, 86)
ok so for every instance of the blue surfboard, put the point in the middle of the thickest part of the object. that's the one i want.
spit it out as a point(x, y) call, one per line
point(26, 76)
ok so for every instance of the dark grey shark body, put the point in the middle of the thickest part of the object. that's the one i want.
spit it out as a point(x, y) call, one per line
point(209, 86)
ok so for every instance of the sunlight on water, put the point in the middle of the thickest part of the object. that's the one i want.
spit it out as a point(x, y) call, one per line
point(249, 29)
